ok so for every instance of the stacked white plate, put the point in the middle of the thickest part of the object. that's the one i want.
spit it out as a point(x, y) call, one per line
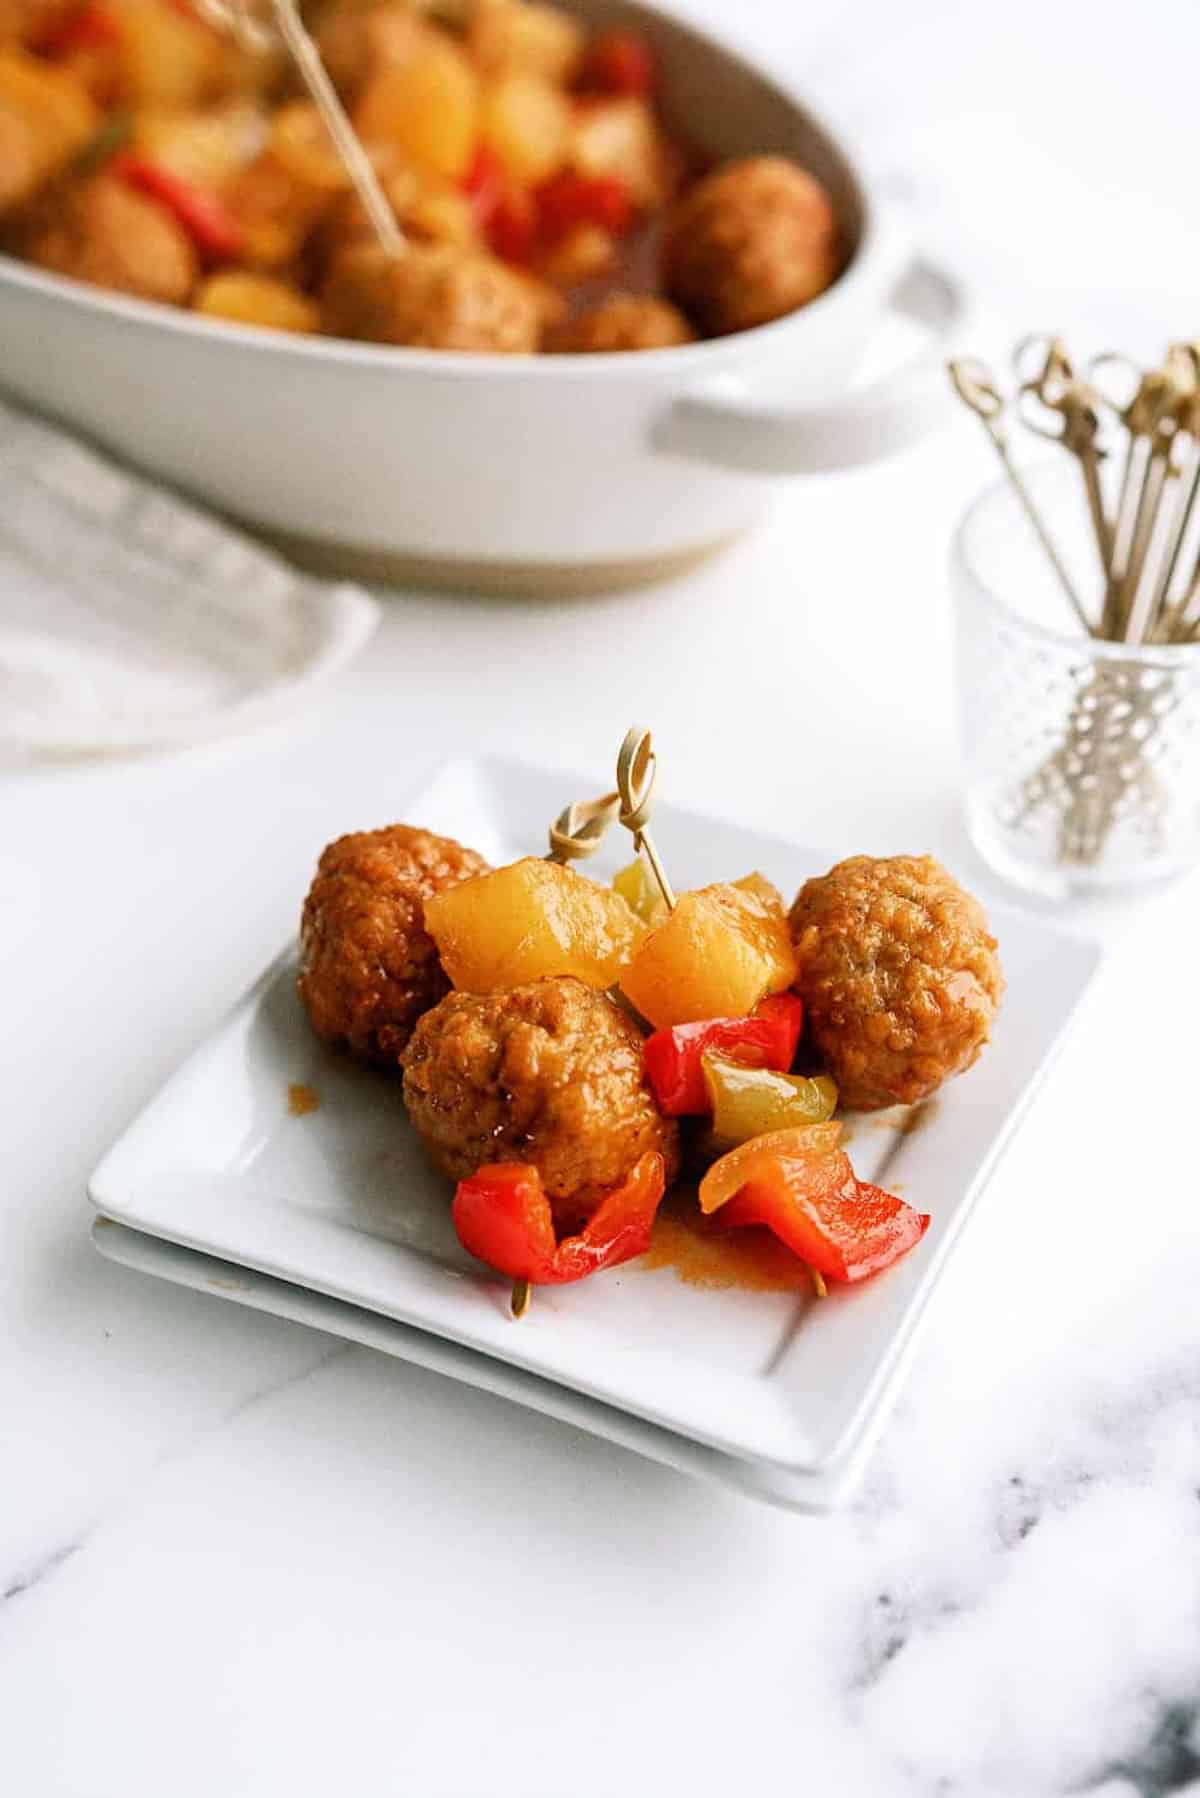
point(333, 1219)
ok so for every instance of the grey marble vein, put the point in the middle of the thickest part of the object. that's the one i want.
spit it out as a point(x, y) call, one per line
point(41, 1569)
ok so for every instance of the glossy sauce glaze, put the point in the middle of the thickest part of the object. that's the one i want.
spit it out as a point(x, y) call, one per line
point(720, 1261)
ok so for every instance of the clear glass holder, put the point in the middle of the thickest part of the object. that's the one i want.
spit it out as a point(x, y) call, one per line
point(1082, 757)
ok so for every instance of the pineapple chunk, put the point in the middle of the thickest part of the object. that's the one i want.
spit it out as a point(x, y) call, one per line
point(761, 888)
point(274, 209)
point(166, 57)
point(257, 300)
point(301, 144)
point(721, 950)
point(205, 148)
point(531, 919)
point(426, 108)
point(585, 252)
point(441, 215)
point(523, 34)
point(637, 886)
point(46, 116)
point(527, 122)
point(620, 138)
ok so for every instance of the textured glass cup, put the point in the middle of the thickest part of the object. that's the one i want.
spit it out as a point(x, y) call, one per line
point(1082, 758)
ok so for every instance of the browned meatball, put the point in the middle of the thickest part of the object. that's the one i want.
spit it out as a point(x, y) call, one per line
point(438, 296)
point(27, 21)
point(550, 1073)
point(623, 321)
point(899, 976)
point(428, 212)
point(103, 232)
point(368, 966)
point(750, 242)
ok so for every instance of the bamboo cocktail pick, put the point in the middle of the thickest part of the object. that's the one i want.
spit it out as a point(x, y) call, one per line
point(977, 389)
point(1057, 389)
point(1166, 619)
point(579, 829)
point(1152, 417)
point(637, 770)
point(576, 833)
point(251, 32)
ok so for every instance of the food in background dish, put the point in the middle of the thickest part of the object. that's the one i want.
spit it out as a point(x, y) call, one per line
point(368, 966)
point(899, 975)
point(435, 297)
point(749, 243)
point(106, 232)
point(621, 321)
point(543, 202)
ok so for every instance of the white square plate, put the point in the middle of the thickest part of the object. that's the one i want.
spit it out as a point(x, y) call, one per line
point(817, 1489)
point(340, 1201)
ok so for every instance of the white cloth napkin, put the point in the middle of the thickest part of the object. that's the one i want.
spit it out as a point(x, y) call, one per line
point(129, 618)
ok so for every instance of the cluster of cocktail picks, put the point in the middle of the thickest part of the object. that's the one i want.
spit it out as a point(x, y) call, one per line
point(1144, 423)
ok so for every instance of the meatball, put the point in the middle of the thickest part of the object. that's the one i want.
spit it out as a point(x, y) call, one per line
point(899, 976)
point(550, 1073)
point(748, 243)
point(103, 232)
point(428, 211)
point(438, 296)
point(368, 966)
point(623, 321)
point(28, 21)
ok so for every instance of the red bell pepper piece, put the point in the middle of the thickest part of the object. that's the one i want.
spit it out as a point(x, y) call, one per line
point(620, 62)
point(569, 199)
point(801, 1187)
point(506, 213)
point(214, 231)
point(483, 181)
point(90, 29)
point(766, 1039)
point(502, 1217)
point(511, 230)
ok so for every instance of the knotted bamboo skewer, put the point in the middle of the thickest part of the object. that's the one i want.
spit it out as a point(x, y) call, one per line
point(1059, 391)
point(976, 388)
point(253, 32)
point(637, 771)
point(576, 833)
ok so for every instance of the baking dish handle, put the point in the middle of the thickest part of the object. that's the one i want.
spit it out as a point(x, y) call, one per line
point(734, 432)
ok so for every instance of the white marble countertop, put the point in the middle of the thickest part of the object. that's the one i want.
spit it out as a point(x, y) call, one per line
point(238, 1558)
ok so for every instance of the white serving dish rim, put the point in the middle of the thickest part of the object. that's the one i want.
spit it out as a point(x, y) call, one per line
point(455, 363)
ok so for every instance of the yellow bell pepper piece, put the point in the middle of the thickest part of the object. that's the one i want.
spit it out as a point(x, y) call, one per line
point(636, 885)
point(748, 1102)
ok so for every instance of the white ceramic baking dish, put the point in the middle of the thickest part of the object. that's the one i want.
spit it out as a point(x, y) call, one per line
point(515, 471)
